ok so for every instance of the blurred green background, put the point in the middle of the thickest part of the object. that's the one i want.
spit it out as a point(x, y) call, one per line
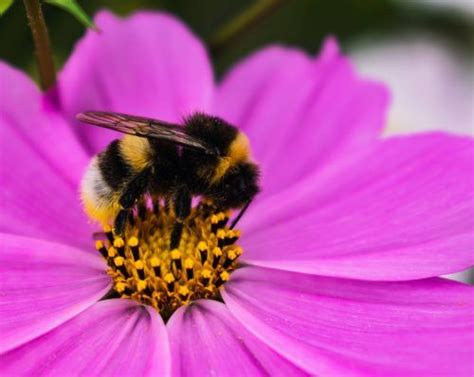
point(302, 23)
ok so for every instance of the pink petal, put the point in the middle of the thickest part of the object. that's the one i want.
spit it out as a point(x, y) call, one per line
point(30, 119)
point(149, 64)
point(111, 338)
point(300, 112)
point(36, 199)
point(401, 210)
point(338, 327)
point(207, 340)
point(43, 284)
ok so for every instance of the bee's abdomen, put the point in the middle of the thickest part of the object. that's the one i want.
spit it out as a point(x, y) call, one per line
point(113, 167)
point(99, 199)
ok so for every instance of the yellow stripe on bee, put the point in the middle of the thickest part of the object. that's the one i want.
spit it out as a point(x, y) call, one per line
point(99, 200)
point(101, 212)
point(136, 151)
point(239, 151)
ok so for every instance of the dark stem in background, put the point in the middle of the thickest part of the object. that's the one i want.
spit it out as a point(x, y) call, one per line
point(243, 23)
point(44, 57)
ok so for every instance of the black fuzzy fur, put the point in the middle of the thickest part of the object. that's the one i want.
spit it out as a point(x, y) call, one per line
point(236, 188)
point(175, 169)
point(113, 167)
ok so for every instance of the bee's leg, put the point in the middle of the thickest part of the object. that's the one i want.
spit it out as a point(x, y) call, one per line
point(134, 189)
point(182, 209)
point(121, 221)
point(241, 213)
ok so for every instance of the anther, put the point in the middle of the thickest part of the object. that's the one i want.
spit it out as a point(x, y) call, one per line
point(218, 221)
point(141, 285)
point(202, 248)
point(231, 255)
point(217, 252)
point(169, 279)
point(119, 261)
point(226, 238)
point(233, 236)
point(223, 277)
point(109, 234)
point(188, 266)
point(120, 286)
point(183, 291)
point(119, 245)
point(176, 257)
point(99, 245)
point(120, 264)
point(155, 263)
point(140, 269)
point(112, 252)
point(221, 236)
point(206, 276)
point(133, 243)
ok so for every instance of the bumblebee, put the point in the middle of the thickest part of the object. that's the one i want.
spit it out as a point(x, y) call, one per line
point(205, 157)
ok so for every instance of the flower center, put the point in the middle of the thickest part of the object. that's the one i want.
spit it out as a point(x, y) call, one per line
point(143, 267)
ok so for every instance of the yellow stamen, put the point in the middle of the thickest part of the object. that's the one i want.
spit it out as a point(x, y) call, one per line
point(120, 287)
point(175, 254)
point(221, 233)
point(188, 263)
point(206, 274)
point(169, 278)
point(133, 241)
point(145, 269)
point(112, 252)
point(183, 291)
point(217, 251)
point(155, 262)
point(118, 242)
point(141, 285)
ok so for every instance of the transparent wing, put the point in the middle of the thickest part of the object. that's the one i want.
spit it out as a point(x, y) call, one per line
point(144, 127)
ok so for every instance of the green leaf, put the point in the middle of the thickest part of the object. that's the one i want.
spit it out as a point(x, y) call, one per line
point(75, 9)
point(4, 5)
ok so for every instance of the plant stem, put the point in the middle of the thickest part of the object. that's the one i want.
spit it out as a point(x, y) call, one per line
point(44, 57)
point(242, 23)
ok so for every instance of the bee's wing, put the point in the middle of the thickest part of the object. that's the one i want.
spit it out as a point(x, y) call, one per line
point(144, 127)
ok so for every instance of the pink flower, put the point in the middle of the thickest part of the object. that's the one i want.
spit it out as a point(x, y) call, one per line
point(342, 249)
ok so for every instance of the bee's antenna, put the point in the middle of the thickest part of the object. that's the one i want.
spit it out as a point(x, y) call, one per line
point(241, 213)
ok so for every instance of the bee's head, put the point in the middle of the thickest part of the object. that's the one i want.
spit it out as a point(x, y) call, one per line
point(231, 146)
point(235, 188)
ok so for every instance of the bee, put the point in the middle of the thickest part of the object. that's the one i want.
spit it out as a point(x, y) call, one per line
point(205, 157)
